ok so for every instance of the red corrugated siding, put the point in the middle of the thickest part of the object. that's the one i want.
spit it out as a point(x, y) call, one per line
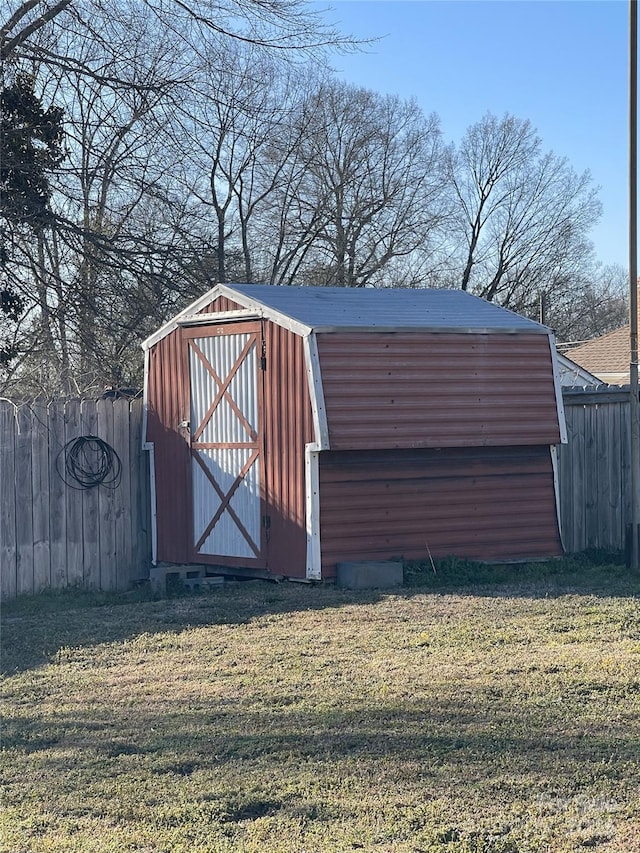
point(479, 503)
point(437, 390)
point(168, 405)
point(222, 303)
point(289, 426)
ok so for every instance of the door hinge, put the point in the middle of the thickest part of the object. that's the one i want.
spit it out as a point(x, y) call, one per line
point(266, 521)
point(263, 357)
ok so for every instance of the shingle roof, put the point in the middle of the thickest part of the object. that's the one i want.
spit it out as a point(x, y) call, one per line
point(607, 357)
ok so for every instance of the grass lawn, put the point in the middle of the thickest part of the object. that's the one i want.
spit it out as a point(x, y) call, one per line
point(473, 711)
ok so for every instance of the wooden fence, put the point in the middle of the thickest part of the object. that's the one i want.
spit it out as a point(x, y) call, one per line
point(595, 469)
point(53, 535)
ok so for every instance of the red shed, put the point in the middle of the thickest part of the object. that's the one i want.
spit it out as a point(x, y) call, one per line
point(293, 428)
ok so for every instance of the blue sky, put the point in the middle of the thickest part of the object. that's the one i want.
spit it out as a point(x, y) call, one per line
point(562, 64)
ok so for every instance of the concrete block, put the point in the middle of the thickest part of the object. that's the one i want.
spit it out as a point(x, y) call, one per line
point(164, 574)
point(370, 575)
point(202, 583)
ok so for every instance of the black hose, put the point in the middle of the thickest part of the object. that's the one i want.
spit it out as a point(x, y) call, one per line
point(87, 462)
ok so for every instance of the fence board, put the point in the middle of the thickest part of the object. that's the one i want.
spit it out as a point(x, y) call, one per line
point(591, 476)
point(8, 545)
point(90, 497)
point(73, 500)
point(612, 475)
point(106, 505)
point(57, 500)
point(40, 485)
point(24, 503)
point(573, 474)
point(121, 494)
point(139, 500)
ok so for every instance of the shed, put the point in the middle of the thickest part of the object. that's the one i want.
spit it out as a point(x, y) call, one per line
point(294, 428)
point(572, 375)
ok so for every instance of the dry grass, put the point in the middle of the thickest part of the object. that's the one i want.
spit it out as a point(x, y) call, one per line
point(497, 717)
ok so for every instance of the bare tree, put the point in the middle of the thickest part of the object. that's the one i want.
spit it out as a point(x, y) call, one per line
point(226, 142)
point(129, 234)
point(364, 187)
point(26, 20)
point(282, 26)
point(593, 305)
point(521, 216)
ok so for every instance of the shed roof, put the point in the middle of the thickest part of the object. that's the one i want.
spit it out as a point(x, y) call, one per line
point(368, 307)
point(345, 308)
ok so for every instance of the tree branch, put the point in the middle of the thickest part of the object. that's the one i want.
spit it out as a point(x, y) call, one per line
point(8, 46)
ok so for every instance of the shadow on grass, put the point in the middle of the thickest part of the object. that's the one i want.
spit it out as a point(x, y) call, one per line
point(432, 740)
point(36, 628)
point(216, 769)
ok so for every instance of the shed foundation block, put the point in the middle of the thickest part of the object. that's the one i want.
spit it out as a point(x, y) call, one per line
point(370, 575)
point(162, 576)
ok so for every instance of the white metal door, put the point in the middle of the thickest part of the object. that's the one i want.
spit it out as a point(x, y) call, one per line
point(226, 442)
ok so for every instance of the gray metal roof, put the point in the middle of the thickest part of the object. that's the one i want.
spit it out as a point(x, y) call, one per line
point(330, 309)
point(385, 308)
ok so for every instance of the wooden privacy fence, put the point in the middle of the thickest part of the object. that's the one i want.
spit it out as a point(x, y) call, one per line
point(595, 469)
point(53, 535)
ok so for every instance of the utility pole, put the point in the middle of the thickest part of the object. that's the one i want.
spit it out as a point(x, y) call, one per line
point(633, 280)
point(542, 308)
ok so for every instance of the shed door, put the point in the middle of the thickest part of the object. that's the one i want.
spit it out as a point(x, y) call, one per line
point(226, 429)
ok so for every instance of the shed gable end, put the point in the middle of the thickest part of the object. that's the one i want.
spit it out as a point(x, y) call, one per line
point(220, 305)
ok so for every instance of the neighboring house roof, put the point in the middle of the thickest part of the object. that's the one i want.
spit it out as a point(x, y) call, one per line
point(572, 375)
point(607, 357)
point(306, 309)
